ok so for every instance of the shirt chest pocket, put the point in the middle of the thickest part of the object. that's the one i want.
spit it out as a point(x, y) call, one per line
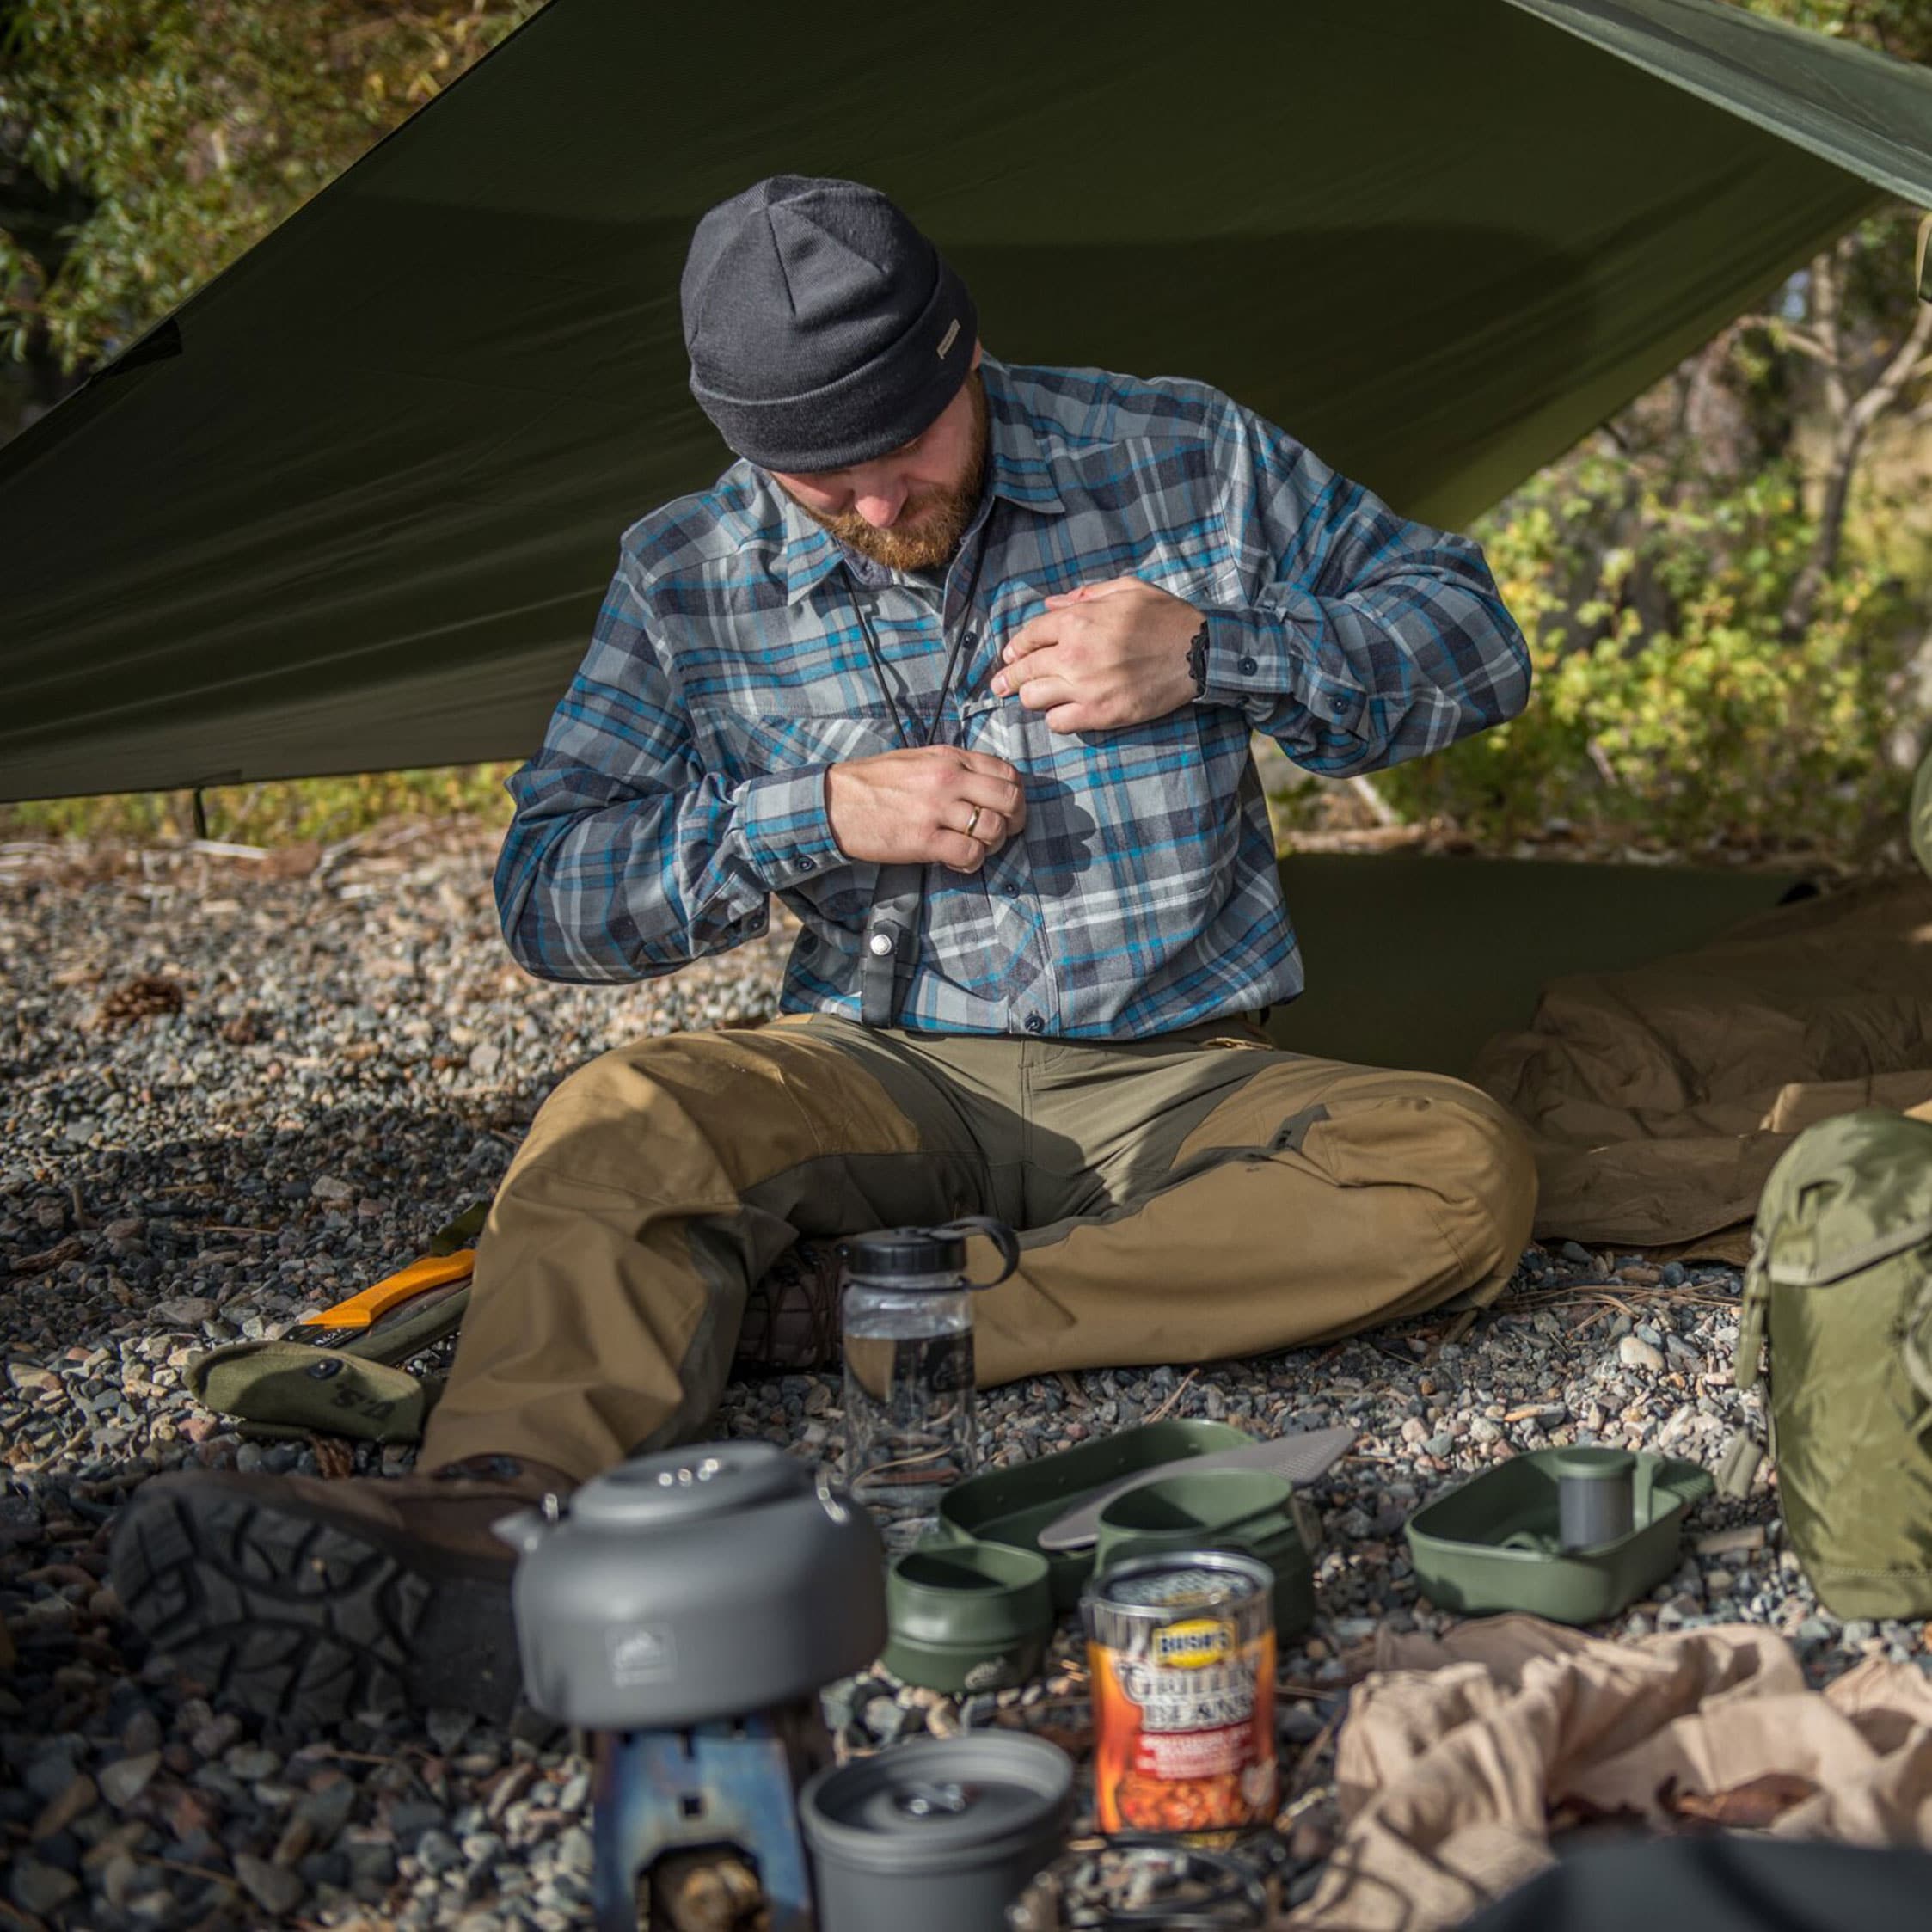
point(759, 744)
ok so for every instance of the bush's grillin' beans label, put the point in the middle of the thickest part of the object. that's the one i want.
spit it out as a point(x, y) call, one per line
point(1181, 1650)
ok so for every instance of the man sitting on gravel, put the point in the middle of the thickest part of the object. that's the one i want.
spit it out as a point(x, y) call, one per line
point(960, 660)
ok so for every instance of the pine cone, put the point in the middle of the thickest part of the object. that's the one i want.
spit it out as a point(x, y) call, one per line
point(144, 999)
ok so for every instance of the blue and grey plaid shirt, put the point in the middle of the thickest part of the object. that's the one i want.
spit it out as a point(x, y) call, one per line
point(682, 782)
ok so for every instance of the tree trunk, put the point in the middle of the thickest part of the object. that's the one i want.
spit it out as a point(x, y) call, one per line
point(1848, 443)
point(1852, 415)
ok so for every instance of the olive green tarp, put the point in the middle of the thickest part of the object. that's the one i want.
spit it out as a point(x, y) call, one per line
point(1493, 934)
point(354, 505)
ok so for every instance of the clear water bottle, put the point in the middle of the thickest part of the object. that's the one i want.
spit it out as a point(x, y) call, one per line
point(910, 1429)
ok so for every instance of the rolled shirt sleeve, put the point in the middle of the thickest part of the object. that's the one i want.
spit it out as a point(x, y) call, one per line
point(626, 859)
point(1361, 638)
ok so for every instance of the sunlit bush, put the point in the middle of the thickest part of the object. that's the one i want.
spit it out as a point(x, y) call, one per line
point(1668, 701)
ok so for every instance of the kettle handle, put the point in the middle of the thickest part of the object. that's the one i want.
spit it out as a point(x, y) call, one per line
point(1002, 1237)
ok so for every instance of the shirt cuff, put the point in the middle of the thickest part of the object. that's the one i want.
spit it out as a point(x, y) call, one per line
point(786, 827)
point(1256, 659)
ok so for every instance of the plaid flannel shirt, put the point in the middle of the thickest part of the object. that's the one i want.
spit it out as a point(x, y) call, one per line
point(681, 784)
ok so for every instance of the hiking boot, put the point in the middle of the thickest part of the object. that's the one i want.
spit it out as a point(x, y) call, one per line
point(319, 1600)
point(791, 1315)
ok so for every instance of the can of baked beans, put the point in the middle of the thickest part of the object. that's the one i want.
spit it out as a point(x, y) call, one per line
point(1181, 1647)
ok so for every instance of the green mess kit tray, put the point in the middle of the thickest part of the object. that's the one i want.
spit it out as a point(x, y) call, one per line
point(1492, 1544)
point(1013, 1506)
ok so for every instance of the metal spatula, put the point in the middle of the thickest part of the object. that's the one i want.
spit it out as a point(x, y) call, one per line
point(1301, 1458)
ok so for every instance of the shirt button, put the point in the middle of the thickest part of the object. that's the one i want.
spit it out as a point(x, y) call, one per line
point(1035, 1023)
point(1338, 705)
point(880, 945)
point(808, 865)
point(1249, 668)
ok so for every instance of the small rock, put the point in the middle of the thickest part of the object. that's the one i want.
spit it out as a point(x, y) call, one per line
point(40, 1888)
point(326, 1868)
point(436, 1851)
point(326, 1808)
point(123, 1782)
point(1730, 1542)
point(273, 1887)
point(1635, 1353)
point(119, 1876)
point(185, 1311)
point(49, 1773)
point(214, 1737)
point(60, 1811)
point(142, 1733)
point(448, 1728)
point(252, 1763)
point(327, 1187)
point(409, 1818)
point(883, 1717)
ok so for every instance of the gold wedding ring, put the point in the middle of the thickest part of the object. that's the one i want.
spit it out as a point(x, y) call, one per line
point(972, 821)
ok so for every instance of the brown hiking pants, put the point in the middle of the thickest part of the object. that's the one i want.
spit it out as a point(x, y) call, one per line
point(1182, 1198)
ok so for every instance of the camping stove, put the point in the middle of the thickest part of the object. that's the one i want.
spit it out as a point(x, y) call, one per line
point(685, 1608)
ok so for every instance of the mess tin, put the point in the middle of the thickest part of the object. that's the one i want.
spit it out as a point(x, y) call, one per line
point(967, 1617)
point(1244, 1510)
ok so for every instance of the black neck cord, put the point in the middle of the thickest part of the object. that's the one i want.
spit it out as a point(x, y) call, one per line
point(953, 656)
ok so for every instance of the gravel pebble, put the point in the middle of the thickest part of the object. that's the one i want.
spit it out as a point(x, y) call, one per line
point(39, 1887)
point(124, 1781)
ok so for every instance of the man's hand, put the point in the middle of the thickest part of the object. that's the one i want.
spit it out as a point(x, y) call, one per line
point(938, 805)
point(1103, 656)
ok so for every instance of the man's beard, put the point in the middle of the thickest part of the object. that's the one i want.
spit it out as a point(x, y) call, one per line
point(930, 527)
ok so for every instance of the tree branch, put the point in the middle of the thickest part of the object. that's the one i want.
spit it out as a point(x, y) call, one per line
point(1897, 372)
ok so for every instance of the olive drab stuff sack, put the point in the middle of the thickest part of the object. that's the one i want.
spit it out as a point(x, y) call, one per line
point(1840, 1287)
point(344, 1381)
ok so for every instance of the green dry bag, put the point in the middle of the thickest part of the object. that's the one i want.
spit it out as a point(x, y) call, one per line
point(1840, 1286)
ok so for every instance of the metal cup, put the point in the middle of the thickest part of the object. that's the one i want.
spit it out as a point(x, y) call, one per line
point(1595, 1497)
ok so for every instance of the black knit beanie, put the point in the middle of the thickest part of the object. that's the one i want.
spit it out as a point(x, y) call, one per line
point(824, 329)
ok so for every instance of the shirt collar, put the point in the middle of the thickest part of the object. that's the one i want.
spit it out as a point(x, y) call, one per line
point(1022, 471)
point(1018, 471)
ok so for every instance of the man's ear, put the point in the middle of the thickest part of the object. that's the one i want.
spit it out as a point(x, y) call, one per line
point(978, 351)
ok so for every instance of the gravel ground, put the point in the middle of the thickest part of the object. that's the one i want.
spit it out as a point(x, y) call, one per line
point(233, 1088)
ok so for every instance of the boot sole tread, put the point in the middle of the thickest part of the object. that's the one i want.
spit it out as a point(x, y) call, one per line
point(294, 1618)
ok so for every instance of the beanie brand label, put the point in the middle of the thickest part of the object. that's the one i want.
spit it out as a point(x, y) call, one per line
point(946, 340)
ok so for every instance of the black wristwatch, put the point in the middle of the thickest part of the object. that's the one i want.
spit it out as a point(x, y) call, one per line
point(1197, 659)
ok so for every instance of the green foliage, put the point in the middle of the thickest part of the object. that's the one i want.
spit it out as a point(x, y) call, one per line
point(1668, 702)
point(145, 144)
point(272, 814)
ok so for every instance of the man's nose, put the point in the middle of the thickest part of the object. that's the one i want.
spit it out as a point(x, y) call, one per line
point(880, 507)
